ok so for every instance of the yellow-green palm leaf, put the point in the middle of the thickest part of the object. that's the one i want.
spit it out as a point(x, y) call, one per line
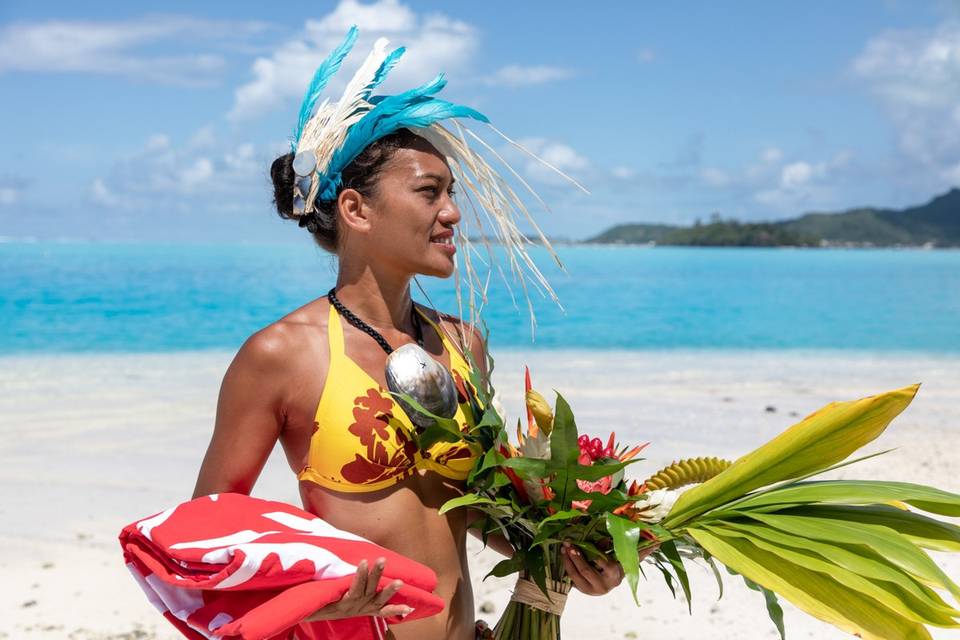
point(818, 594)
point(820, 440)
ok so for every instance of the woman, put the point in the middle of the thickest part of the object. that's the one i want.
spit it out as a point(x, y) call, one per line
point(314, 379)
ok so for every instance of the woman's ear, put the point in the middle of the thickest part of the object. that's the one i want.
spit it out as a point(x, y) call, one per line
point(354, 210)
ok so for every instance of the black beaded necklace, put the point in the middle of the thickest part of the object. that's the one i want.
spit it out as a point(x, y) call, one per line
point(373, 333)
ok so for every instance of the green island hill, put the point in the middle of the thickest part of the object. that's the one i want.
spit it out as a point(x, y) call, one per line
point(934, 224)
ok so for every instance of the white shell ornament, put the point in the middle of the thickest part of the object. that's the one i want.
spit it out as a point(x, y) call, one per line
point(412, 371)
point(305, 162)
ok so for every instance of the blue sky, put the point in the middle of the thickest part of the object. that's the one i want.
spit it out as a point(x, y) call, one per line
point(158, 121)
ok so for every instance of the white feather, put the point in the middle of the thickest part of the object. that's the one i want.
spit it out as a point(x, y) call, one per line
point(326, 131)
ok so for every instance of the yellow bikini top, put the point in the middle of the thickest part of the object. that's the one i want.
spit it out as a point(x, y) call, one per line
point(361, 439)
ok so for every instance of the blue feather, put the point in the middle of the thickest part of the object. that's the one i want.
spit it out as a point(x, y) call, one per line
point(323, 74)
point(413, 108)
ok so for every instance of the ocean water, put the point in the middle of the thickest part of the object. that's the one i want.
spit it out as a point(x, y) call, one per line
point(152, 297)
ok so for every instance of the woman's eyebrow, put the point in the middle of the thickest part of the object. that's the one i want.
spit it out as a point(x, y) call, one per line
point(436, 176)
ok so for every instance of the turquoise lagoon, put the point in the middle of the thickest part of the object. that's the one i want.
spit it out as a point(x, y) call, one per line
point(57, 298)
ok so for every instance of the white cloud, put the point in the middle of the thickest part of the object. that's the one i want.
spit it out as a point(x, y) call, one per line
point(797, 174)
point(646, 55)
point(117, 47)
point(916, 76)
point(522, 76)
point(802, 184)
point(433, 42)
point(102, 195)
point(163, 176)
point(196, 175)
point(622, 173)
point(558, 154)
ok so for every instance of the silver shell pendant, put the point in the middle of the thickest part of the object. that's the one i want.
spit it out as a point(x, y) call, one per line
point(412, 371)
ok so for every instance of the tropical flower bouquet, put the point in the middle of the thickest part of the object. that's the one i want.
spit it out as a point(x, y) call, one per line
point(849, 552)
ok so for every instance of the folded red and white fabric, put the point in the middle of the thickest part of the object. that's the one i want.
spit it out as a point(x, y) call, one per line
point(234, 566)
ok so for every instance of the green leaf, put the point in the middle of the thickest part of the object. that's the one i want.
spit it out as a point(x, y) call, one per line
point(667, 576)
point(773, 606)
point(527, 468)
point(716, 572)
point(815, 593)
point(492, 458)
point(626, 539)
point(536, 567)
point(884, 541)
point(860, 492)
point(921, 530)
point(434, 434)
point(564, 449)
point(506, 567)
point(870, 566)
point(669, 550)
point(562, 515)
point(886, 585)
point(490, 418)
point(448, 424)
point(466, 500)
point(820, 440)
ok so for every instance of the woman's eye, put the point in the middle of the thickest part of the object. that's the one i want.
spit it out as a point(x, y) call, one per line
point(451, 193)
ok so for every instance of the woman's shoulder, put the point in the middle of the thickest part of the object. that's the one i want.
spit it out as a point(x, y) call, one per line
point(280, 344)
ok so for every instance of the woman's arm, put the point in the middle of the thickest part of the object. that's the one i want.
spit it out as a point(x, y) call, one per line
point(250, 415)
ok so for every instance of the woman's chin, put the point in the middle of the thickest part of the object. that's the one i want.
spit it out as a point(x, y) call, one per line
point(436, 272)
point(437, 268)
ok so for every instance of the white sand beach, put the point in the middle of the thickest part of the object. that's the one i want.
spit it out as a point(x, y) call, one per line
point(92, 442)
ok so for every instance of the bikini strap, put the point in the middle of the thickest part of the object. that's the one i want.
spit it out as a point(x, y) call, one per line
point(335, 333)
point(452, 349)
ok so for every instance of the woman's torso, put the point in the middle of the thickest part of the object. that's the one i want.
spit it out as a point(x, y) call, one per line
point(402, 516)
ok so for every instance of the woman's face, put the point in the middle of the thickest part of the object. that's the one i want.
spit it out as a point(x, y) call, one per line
point(414, 213)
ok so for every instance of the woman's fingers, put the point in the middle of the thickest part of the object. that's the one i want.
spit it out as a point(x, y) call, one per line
point(611, 572)
point(395, 610)
point(359, 585)
point(364, 597)
point(384, 596)
point(373, 581)
point(584, 576)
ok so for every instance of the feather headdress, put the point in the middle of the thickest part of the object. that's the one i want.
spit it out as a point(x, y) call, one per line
point(330, 136)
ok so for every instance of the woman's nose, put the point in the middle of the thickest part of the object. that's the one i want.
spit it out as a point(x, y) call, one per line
point(450, 214)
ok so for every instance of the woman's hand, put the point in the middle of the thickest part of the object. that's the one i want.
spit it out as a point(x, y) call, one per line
point(594, 581)
point(362, 598)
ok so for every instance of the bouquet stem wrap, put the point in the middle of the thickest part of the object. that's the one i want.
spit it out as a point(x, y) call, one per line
point(530, 615)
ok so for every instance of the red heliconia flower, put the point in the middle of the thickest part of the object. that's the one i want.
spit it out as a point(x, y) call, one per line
point(592, 449)
point(514, 478)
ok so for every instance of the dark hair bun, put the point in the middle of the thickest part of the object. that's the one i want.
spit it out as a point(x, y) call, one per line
point(361, 175)
point(281, 171)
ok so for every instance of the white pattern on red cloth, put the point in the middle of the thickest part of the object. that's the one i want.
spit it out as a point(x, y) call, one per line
point(233, 566)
